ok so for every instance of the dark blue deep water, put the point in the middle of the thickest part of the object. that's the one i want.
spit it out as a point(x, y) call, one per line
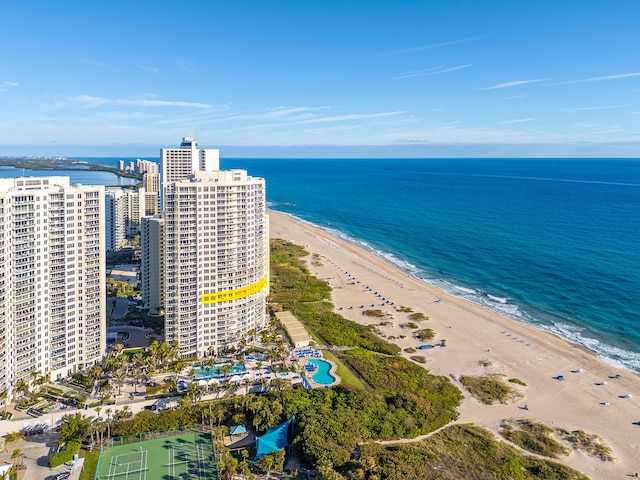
point(551, 242)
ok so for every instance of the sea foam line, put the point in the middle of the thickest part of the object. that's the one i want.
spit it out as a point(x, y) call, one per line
point(615, 356)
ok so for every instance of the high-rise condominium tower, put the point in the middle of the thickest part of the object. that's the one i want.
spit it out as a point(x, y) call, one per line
point(52, 282)
point(213, 272)
point(216, 261)
point(178, 163)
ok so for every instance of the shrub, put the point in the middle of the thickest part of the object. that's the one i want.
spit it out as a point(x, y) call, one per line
point(518, 381)
point(373, 313)
point(418, 316)
point(424, 334)
point(402, 308)
point(71, 448)
point(534, 437)
point(419, 359)
point(489, 389)
point(590, 443)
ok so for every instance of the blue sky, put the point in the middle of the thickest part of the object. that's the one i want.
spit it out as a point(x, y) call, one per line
point(335, 78)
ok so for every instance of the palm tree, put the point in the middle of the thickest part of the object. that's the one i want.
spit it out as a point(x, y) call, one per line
point(13, 437)
point(176, 368)
point(21, 388)
point(151, 363)
point(119, 377)
point(34, 374)
point(136, 374)
point(107, 413)
point(116, 349)
point(246, 382)
point(16, 457)
point(138, 359)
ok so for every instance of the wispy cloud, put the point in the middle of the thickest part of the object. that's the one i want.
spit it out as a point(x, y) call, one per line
point(517, 120)
point(87, 101)
point(350, 117)
point(147, 68)
point(185, 65)
point(604, 107)
point(514, 83)
point(431, 46)
point(100, 64)
point(9, 84)
point(602, 78)
point(514, 97)
point(433, 71)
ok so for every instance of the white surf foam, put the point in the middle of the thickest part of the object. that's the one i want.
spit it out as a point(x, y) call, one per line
point(615, 356)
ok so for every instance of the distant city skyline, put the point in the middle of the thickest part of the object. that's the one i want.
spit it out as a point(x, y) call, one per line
point(322, 79)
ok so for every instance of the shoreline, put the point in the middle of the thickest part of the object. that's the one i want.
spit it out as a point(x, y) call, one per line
point(383, 256)
point(480, 341)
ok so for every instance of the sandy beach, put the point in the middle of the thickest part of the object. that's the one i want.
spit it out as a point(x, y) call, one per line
point(476, 337)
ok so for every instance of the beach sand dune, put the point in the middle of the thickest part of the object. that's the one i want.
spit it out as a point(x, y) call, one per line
point(479, 341)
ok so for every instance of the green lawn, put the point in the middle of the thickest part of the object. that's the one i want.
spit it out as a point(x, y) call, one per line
point(349, 379)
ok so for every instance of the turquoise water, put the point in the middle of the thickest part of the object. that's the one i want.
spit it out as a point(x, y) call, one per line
point(216, 371)
point(551, 242)
point(322, 375)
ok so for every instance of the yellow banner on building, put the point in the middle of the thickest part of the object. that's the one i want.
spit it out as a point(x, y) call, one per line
point(228, 295)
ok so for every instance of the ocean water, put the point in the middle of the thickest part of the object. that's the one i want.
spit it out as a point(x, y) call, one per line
point(551, 242)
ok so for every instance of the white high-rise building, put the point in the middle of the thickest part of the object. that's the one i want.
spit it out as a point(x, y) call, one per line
point(115, 218)
point(136, 209)
point(216, 243)
point(151, 185)
point(178, 163)
point(52, 281)
point(211, 278)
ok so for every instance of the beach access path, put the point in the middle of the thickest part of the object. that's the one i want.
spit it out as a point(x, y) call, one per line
point(479, 341)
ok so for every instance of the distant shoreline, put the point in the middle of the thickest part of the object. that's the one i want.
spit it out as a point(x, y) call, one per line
point(55, 164)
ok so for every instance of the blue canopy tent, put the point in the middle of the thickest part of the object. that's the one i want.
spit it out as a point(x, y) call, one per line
point(274, 439)
point(237, 430)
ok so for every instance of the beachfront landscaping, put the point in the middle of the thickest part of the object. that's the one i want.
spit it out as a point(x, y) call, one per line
point(460, 451)
point(294, 289)
point(338, 430)
point(534, 437)
point(490, 389)
point(587, 442)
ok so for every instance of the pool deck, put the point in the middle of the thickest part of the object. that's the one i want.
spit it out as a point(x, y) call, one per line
point(332, 371)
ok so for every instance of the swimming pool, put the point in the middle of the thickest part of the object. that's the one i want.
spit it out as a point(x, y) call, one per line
point(205, 371)
point(322, 376)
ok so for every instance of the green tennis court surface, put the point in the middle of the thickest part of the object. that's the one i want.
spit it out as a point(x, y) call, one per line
point(187, 456)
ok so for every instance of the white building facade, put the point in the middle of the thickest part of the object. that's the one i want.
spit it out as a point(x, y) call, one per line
point(115, 218)
point(52, 281)
point(178, 163)
point(216, 242)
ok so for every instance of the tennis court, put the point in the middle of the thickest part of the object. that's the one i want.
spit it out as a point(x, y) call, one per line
point(186, 456)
